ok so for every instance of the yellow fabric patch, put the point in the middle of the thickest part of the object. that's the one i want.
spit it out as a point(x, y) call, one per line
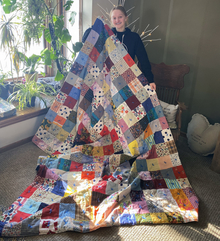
point(133, 146)
point(135, 70)
point(105, 87)
point(130, 119)
point(62, 135)
point(109, 45)
point(159, 218)
point(97, 151)
point(68, 191)
point(143, 218)
point(153, 165)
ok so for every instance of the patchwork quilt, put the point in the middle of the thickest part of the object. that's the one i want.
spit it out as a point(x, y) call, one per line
point(111, 157)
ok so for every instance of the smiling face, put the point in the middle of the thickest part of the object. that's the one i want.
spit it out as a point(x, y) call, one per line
point(118, 19)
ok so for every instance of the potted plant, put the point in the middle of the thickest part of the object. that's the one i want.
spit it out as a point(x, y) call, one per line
point(28, 91)
point(30, 65)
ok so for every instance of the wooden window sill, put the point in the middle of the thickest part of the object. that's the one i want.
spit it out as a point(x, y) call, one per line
point(26, 114)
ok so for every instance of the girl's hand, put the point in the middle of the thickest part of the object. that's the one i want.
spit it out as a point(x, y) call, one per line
point(153, 86)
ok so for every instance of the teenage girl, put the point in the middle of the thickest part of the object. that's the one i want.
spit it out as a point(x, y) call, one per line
point(130, 40)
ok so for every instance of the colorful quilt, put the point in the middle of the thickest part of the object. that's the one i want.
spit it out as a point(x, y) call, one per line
point(112, 158)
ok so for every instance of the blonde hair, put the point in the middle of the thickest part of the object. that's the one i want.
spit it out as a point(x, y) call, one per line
point(121, 8)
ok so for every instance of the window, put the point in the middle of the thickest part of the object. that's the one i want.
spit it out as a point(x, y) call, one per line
point(6, 53)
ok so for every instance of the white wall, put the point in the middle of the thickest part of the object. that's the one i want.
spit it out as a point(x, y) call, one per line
point(19, 131)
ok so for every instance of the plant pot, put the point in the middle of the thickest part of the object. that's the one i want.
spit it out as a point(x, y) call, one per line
point(32, 104)
point(4, 91)
point(31, 76)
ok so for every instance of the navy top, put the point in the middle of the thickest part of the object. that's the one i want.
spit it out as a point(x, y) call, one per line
point(134, 47)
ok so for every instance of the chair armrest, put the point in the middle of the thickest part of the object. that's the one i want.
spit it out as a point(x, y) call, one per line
point(182, 107)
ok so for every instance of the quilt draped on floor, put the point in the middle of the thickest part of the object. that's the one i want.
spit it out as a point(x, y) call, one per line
point(112, 158)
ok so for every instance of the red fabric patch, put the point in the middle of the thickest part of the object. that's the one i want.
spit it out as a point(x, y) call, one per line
point(152, 153)
point(129, 60)
point(56, 153)
point(132, 102)
point(88, 175)
point(80, 128)
point(51, 211)
point(94, 54)
point(60, 120)
point(19, 216)
point(70, 102)
point(106, 177)
point(104, 131)
point(41, 171)
point(114, 135)
point(66, 88)
point(28, 192)
point(108, 150)
point(108, 30)
point(100, 187)
point(179, 172)
point(76, 167)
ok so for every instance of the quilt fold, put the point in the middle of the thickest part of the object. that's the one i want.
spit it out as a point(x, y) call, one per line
point(111, 157)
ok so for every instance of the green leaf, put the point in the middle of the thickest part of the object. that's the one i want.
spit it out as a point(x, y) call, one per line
point(59, 76)
point(47, 35)
point(68, 5)
point(9, 6)
point(77, 46)
point(46, 53)
point(66, 37)
point(72, 17)
point(59, 24)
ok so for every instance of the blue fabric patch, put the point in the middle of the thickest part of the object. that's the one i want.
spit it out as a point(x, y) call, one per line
point(82, 58)
point(42, 205)
point(75, 93)
point(127, 219)
point(64, 164)
point(83, 73)
point(2, 224)
point(50, 115)
point(144, 148)
point(168, 173)
point(100, 61)
point(98, 26)
point(126, 92)
point(94, 120)
point(109, 110)
point(147, 105)
point(67, 210)
point(68, 125)
point(89, 95)
point(141, 165)
point(136, 184)
point(159, 111)
point(52, 163)
point(117, 100)
point(152, 115)
point(158, 137)
point(30, 206)
point(59, 188)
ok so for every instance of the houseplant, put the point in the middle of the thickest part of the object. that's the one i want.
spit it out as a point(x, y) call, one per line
point(30, 65)
point(28, 91)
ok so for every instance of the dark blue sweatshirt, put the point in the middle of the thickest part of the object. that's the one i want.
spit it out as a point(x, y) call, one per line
point(135, 47)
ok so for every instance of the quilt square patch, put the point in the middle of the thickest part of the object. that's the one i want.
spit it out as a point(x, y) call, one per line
point(135, 85)
point(128, 75)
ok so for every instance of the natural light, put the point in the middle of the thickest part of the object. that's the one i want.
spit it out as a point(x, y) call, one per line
point(5, 63)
